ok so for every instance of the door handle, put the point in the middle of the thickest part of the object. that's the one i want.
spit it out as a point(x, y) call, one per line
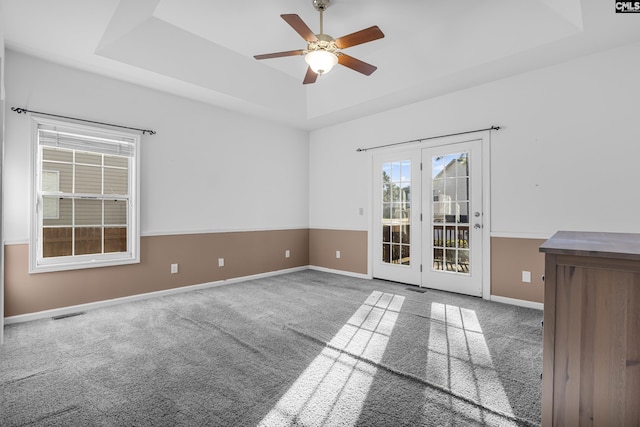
point(476, 226)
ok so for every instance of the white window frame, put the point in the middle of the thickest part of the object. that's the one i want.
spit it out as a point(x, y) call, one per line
point(40, 264)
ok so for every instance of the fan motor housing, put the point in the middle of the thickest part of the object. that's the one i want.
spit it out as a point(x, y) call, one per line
point(325, 42)
point(321, 5)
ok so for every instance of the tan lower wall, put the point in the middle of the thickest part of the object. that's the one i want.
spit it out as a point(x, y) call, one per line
point(509, 258)
point(244, 253)
point(352, 244)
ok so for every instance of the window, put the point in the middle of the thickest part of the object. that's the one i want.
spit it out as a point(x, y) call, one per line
point(85, 189)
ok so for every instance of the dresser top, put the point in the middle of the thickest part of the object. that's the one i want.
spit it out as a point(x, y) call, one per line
point(594, 244)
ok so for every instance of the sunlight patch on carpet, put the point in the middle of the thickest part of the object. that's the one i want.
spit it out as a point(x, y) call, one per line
point(333, 388)
point(459, 360)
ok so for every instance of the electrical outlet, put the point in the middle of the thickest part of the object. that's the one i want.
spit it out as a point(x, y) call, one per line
point(337, 254)
point(174, 268)
point(361, 211)
point(220, 262)
point(526, 276)
point(287, 253)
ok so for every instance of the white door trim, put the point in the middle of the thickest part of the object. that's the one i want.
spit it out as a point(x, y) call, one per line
point(486, 205)
point(485, 136)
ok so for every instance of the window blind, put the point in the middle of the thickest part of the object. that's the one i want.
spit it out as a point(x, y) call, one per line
point(106, 143)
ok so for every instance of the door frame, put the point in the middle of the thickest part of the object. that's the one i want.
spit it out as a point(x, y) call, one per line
point(485, 136)
point(2, 135)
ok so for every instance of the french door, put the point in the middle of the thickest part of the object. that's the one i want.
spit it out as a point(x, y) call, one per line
point(453, 218)
point(397, 253)
point(428, 217)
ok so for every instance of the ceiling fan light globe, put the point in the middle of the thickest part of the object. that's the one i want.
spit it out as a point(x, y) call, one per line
point(321, 61)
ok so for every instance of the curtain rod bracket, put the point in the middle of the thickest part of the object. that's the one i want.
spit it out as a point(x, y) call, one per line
point(21, 110)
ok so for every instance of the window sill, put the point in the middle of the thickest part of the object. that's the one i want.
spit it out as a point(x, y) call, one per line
point(81, 265)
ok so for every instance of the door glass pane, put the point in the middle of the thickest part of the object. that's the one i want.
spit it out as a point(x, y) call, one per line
point(395, 254)
point(462, 189)
point(438, 212)
point(395, 232)
point(386, 211)
point(405, 171)
point(405, 254)
point(405, 234)
point(396, 212)
point(438, 259)
point(386, 253)
point(464, 213)
point(386, 184)
point(438, 237)
point(463, 237)
point(386, 233)
point(395, 171)
point(450, 205)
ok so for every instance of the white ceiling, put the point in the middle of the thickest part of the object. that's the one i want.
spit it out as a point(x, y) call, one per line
point(203, 49)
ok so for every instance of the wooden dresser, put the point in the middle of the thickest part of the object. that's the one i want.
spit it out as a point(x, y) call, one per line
point(591, 356)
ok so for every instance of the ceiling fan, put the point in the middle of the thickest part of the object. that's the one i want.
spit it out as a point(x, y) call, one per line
point(323, 51)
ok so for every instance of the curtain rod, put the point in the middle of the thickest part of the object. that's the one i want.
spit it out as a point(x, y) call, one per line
point(426, 139)
point(24, 111)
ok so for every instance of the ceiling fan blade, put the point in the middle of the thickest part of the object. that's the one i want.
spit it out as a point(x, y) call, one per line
point(301, 28)
point(356, 64)
point(279, 54)
point(359, 37)
point(310, 77)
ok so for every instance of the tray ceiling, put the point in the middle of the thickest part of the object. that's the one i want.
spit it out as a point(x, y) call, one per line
point(204, 50)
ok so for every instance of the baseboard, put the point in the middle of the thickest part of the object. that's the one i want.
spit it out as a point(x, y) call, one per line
point(518, 302)
point(106, 303)
point(341, 272)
